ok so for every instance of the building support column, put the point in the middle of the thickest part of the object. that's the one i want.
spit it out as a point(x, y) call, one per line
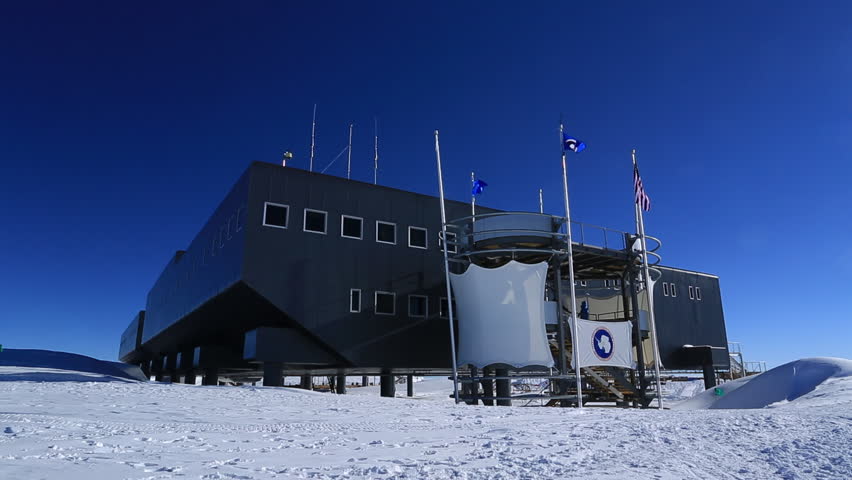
point(211, 376)
point(637, 338)
point(409, 385)
point(273, 374)
point(189, 378)
point(709, 374)
point(365, 381)
point(307, 381)
point(487, 387)
point(504, 387)
point(341, 384)
point(388, 386)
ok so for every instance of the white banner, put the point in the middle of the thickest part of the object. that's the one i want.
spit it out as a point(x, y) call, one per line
point(605, 344)
point(501, 315)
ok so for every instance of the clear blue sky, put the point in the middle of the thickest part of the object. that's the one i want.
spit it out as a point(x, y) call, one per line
point(122, 125)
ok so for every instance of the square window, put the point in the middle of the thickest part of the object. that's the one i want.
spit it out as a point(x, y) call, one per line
point(385, 303)
point(354, 300)
point(417, 237)
point(673, 289)
point(351, 227)
point(315, 221)
point(451, 241)
point(691, 293)
point(418, 305)
point(386, 232)
point(275, 215)
point(583, 283)
point(665, 289)
point(698, 293)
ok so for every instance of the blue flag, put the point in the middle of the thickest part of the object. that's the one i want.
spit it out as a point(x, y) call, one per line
point(478, 187)
point(571, 143)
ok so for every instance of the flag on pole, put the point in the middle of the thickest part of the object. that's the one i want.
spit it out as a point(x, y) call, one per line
point(571, 143)
point(642, 198)
point(478, 187)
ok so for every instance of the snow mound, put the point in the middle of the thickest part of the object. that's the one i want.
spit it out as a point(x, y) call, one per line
point(809, 381)
point(47, 366)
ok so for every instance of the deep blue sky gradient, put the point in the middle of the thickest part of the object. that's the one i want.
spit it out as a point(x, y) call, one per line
point(122, 125)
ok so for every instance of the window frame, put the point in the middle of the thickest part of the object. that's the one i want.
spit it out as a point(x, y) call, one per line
point(360, 300)
point(673, 289)
point(376, 303)
point(425, 304)
point(382, 222)
point(360, 232)
point(425, 237)
point(691, 292)
point(324, 223)
point(698, 293)
point(286, 215)
point(665, 289)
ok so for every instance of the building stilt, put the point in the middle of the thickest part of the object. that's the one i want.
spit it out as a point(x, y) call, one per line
point(504, 387)
point(388, 387)
point(189, 378)
point(307, 382)
point(487, 387)
point(211, 376)
point(273, 374)
point(409, 385)
point(340, 384)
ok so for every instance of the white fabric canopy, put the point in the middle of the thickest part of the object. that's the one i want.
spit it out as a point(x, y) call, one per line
point(501, 315)
point(605, 344)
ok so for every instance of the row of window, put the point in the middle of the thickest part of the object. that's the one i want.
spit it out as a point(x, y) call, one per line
point(316, 221)
point(384, 303)
point(670, 289)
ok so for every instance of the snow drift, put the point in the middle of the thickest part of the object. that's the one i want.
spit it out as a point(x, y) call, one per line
point(818, 381)
point(49, 366)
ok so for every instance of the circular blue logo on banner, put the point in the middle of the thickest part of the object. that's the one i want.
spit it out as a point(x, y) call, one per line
point(602, 343)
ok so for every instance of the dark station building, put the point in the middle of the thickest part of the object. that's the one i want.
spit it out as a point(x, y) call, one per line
point(299, 273)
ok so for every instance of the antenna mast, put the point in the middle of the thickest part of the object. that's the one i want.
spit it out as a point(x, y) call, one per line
point(376, 155)
point(313, 138)
point(349, 157)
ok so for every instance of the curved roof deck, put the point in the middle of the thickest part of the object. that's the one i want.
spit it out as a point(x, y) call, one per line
point(492, 239)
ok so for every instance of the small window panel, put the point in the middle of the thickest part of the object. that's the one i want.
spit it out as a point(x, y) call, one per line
point(665, 289)
point(698, 293)
point(315, 221)
point(583, 283)
point(355, 300)
point(417, 237)
point(351, 227)
point(691, 293)
point(275, 215)
point(673, 288)
point(386, 232)
point(451, 239)
point(418, 306)
point(385, 303)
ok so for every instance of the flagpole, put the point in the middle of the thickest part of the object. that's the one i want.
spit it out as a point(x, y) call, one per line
point(447, 271)
point(472, 195)
point(376, 155)
point(541, 203)
point(649, 291)
point(575, 334)
point(349, 159)
point(313, 138)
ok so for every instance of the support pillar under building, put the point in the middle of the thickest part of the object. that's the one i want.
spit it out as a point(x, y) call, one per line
point(365, 381)
point(504, 387)
point(189, 378)
point(307, 382)
point(409, 385)
point(211, 376)
point(273, 374)
point(487, 387)
point(388, 387)
point(340, 384)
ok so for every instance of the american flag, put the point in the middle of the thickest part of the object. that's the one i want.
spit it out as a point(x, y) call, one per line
point(642, 198)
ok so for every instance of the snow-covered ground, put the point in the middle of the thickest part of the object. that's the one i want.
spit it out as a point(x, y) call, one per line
point(82, 429)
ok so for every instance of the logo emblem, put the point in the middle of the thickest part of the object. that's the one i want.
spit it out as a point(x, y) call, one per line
point(602, 343)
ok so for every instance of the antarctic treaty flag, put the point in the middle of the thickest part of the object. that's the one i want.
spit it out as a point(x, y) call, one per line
point(478, 187)
point(642, 198)
point(571, 143)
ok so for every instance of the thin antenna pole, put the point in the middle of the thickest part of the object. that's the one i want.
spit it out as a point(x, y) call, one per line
point(313, 138)
point(376, 155)
point(349, 159)
point(472, 196)
point(574, 330)
point(646, 270)
point(540, 202)
point(447, 270)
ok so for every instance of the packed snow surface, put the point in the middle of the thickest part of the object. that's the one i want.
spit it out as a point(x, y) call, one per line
point(136, 430)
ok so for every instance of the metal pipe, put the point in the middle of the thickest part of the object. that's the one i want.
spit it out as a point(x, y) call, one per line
point(349, 156)
point(447, 270)
point(313, 138)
